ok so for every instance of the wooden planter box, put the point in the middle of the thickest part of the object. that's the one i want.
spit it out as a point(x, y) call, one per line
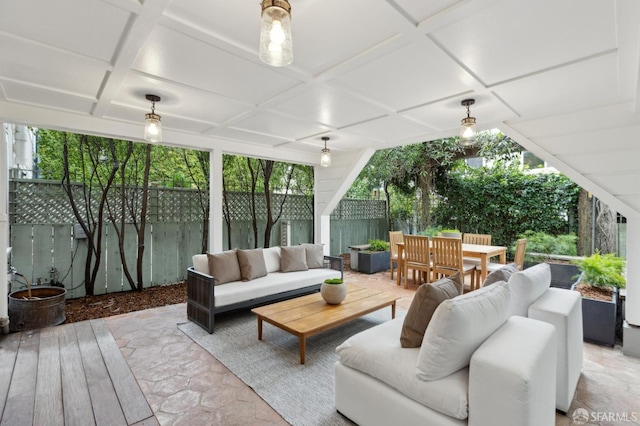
point(374, 261)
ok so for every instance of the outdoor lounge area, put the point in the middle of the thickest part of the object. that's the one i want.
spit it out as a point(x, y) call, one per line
point(184, 384)
point(561, 79)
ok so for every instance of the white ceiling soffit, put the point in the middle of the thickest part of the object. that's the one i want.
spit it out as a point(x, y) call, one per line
point(560, 77)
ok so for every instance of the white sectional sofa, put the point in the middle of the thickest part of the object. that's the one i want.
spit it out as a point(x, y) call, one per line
point(240, 279)
point(509, 353)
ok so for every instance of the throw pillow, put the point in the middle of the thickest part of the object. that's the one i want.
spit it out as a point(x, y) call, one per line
point(251, 264)
point(272, 258)
point(458, 327)
point(502, 274)
point(293, 259)
point(527, 286)
point(223, 267)
point(424, 304)
point(315, 255)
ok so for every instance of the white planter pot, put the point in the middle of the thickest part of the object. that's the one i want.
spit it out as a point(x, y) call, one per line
point(333, 294)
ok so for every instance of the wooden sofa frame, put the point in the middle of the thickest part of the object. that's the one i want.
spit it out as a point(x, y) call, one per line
point(201, 295)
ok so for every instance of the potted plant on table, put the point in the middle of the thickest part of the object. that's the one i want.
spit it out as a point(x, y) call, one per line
point(451, 233)
point(602, 276)
point(377, 258)
point(333, 291)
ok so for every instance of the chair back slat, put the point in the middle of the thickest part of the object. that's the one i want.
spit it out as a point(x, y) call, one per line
point(521, 247)
point(481, 239)
point(416, 249)
point(395, 237)
point(447, 255)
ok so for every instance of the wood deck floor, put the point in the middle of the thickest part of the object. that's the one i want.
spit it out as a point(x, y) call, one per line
point(73, 374)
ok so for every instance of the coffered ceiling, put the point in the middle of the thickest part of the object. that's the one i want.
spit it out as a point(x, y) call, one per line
point(560, 77)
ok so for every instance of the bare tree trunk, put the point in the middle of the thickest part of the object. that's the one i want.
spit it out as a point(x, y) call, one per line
point(606, 240)
point(387, 196)
point(585, 223)
point(143, 217)
point(425, 183)
point(254, 213)
point(267, 169)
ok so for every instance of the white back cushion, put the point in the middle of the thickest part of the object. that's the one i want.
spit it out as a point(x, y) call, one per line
point(200, 263)
point(458, 327)
point(527, 286)
point(272, 258)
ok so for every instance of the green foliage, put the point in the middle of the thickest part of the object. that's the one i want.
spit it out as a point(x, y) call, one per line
point(602, 270)
point(378, 245)
point(451, 231)
point(541, 242)
point(333, 281)
point(431, 231)
point(505, 202)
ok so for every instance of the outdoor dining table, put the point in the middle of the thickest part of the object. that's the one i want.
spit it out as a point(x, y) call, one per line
point(482, 252)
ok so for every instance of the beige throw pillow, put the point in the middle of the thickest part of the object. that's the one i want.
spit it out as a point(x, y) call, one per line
point(502, 274)
point(315, 255)
point(424, 304)
point(224, 267)
point(293, 259)
point(252, 264)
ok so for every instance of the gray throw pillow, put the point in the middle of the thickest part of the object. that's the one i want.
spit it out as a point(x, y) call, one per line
point(424, 304)
point(315, 255)
point(252, 264)
point(293, 259)
point(224, 267)
point(502, 274)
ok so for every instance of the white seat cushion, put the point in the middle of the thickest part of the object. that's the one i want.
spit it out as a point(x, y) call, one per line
point(527, 286)
point(272, 283)
point(377, 352)
point(458, 327)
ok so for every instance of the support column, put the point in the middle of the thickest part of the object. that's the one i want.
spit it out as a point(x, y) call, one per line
point(215, 201)
point(631, 327)
point(4, 229)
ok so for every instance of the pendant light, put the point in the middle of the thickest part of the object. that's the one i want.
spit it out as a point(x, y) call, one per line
point(276, 47)
point(152, 123)
point(325, 157)
point(468, 125)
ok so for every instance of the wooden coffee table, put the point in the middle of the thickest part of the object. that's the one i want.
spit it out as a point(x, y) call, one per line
point(308, 315)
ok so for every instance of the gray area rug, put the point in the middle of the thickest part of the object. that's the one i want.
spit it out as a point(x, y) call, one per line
point(301, 394)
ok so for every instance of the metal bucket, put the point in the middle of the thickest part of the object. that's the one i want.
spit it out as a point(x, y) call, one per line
point(30, 314)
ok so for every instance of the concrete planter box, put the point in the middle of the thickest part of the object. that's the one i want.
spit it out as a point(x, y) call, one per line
point(373, 261)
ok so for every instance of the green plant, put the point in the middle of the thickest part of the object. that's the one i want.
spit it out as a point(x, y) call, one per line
point(451, 231)
point(602, 270)
point(541, 242)
point(378, 245)
point(333, 281)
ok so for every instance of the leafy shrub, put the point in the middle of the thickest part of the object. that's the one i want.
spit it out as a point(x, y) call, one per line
point(541, 242)
point(378, 245)
point(602, 270)
point(333, 281)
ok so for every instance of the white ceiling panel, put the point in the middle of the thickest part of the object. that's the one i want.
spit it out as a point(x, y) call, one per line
point(269, 123)
point(529, 36)
point(565, 89)
point(620, 184)
point(331, 107)
point(390, 129)
point(36, 96)
point(606, 162)
point(176, 100)
point(420, 10)
point(88, 27)
point(438, 115)
point(174, 56)
point(255, 138)
point(35, 64)
point(413, 75)
point(610, 139)
point(135, 115)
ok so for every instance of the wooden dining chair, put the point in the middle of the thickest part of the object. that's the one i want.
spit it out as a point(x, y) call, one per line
point(416, 257)
point(481, 239)
point(447, 259)
point(395, 237)
point(518, 259)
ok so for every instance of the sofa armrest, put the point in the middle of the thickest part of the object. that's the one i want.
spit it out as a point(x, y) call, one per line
point(335, 263)
point(200, 299)
point(512, 376)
